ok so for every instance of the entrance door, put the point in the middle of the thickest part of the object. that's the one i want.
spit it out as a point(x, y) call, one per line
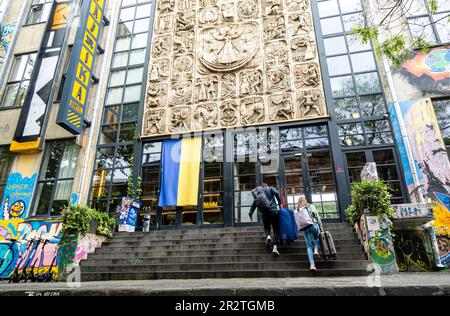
point(387, 167)
point(295, 179)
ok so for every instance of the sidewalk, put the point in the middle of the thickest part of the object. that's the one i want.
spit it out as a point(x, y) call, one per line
point(401, 284)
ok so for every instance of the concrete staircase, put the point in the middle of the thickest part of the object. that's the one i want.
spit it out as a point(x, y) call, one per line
point(217, 253)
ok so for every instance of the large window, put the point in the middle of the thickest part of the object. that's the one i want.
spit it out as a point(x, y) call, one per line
point(124, 97)
point(435, 28)
point(18, 81)
point(442, 109)
point(40, 11)
point(6, 161)
point(359, 102)
point(56, 177)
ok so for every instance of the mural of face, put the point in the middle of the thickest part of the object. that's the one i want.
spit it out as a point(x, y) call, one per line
point(17, 209)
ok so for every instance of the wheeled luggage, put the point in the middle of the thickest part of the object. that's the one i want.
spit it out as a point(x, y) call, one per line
point(288, 226)
point(327, 245)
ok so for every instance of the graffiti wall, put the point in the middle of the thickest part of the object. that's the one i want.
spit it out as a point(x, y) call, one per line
point(7, 32)
point(17, 197)
point(425, 74)
point(442, 225)
point(428, 150)
point(413, 251)
point(37, 245)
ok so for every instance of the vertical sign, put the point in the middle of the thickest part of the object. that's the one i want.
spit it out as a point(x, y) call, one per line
point(29, 129)
point(78, 83)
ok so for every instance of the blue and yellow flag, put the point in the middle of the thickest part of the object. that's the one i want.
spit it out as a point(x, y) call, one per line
point(180, 172)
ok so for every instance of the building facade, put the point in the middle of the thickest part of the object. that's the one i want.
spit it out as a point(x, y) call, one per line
point(276, 91)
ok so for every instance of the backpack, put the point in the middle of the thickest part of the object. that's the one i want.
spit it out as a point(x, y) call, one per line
point(261, 199)
point(303, 218)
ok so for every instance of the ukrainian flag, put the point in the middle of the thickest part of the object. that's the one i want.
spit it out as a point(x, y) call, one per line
point(180, 172)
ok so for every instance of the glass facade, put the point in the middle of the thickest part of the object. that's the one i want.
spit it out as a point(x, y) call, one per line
point(357, 95)
point(56, 177)
point(118, 133)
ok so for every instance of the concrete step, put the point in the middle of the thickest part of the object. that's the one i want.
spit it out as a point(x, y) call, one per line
point(148, 247)
point(265, 273)
point(149, 236)
point(327, 226)
point(224, 266)
point(101, 254)
point(150, 240)
point(127, 259)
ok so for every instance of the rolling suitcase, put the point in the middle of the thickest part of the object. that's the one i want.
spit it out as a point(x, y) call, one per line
point(288, 226)
point(327, 245)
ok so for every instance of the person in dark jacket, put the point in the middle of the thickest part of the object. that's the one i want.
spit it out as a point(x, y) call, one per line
point(270, 217)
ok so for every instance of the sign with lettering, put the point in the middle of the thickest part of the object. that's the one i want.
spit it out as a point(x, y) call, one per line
point(78, 83)
point(17, 197)
point(402, 211)
point(29, 130)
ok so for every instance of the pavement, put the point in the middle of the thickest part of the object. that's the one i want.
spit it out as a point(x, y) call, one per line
point(415, 284)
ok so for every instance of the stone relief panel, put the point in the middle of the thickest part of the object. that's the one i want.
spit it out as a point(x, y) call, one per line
point(225, 63)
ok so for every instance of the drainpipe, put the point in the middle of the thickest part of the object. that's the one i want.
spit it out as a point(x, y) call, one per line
point(398, 112)
point(98, 103)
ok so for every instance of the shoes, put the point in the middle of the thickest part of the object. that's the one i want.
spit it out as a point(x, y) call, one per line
point(313, 267)
point(275, 251)
point(317, 255)
point(268, 241)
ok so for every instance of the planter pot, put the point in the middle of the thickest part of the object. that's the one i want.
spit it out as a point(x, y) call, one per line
point(93, 226)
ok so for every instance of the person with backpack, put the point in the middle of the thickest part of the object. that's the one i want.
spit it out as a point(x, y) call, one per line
point(265, 200)
point(309, 222)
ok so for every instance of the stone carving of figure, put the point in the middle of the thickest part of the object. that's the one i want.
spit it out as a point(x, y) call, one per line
point(308, 103)
point(312, 77)
point(301, 23)
point(245, 84)
point(273, 7)
point(154, 97)
point(208, 3)
point(184, 5)
point(252, 112)
point(227, 7)
point(229, 114)
point(256, 82)
point(207, 115)
point(166, 5)
point(153, 122)
point(185, 22)
point(248, 9)
point(283, 108)
point(279, 78)
point(306, 44)
point(211, 89)
point(229, 53)
point(164, 24)
point(274, 29)
point(154, 73)
point(161, 47)
point(179, 119)
point(228, 86)
point(207, 89)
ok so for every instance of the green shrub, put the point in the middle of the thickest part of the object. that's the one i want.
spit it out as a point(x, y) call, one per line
point(371, 195)
point(76, 219)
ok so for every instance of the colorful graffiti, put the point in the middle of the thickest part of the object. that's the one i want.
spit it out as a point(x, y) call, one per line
point(67, 251)
point(431, 160)
point(8, 31)
point(413, 251)
point(30, 245)
point(17, 196)
point(430, 72)
point(442, 225)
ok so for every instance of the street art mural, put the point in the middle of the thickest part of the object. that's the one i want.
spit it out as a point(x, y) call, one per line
point(17, 196)
point(413, 251)
point(37, 246)
point(428, 72)
point(8, 31)
point(428, 150)
point(442, 225)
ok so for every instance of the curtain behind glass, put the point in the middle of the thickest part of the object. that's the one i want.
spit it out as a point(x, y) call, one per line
point(67, 171)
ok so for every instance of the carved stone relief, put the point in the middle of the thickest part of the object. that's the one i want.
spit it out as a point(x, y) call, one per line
point(157, 95)
point(154, 122)
point(229, 113)
point(281, 107)
point(307, 75)
point(180, 119)
point(225, 63)
point(253, 111)
point(206, 116)
point(207, 89)
point(311, 103)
